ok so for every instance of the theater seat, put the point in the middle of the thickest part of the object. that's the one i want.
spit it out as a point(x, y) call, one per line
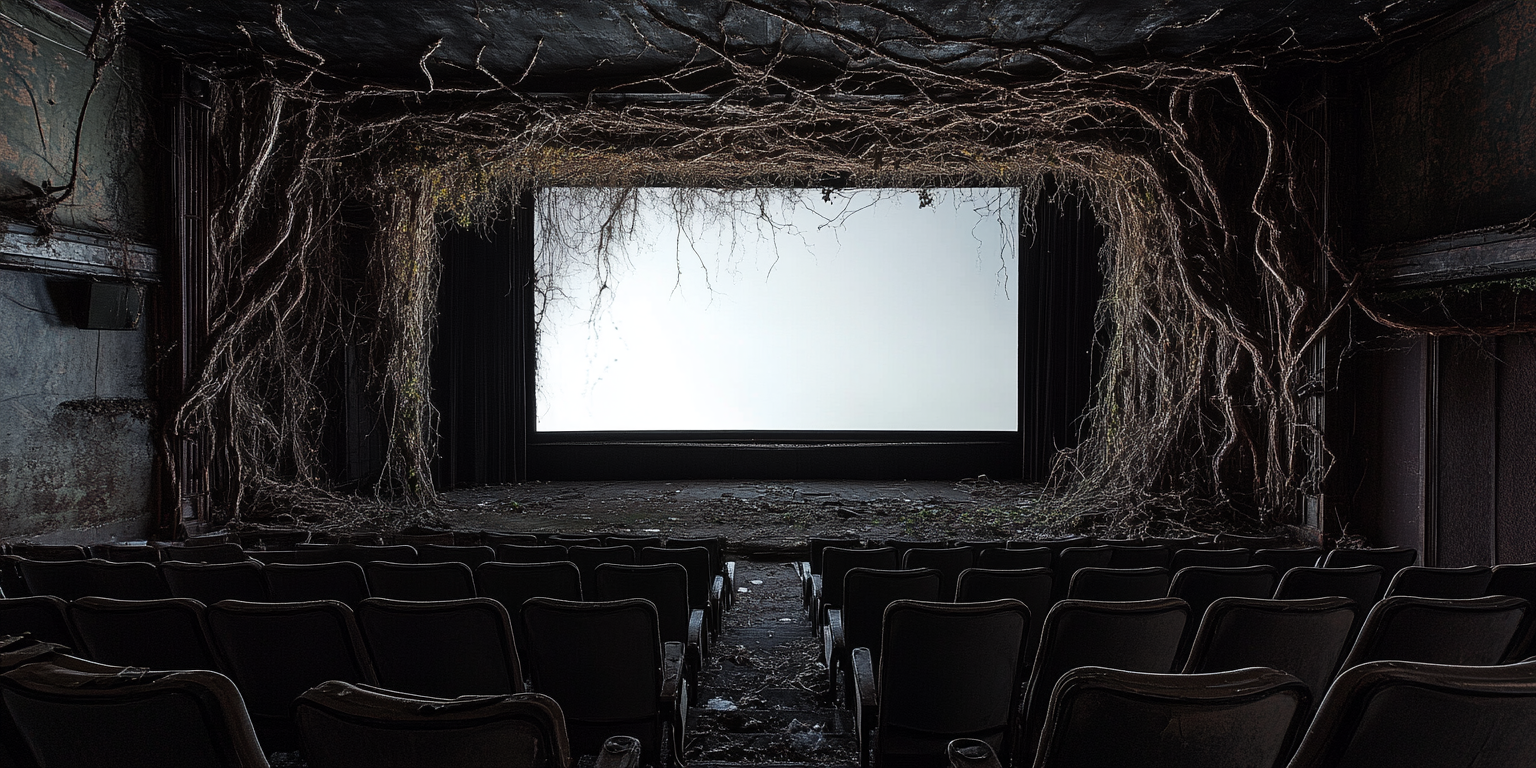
point(342, 725)
point(1397, 713)
point(1246, 718)
point(129, 717)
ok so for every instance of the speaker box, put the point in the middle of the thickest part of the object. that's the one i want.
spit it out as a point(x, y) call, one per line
point(112, 306)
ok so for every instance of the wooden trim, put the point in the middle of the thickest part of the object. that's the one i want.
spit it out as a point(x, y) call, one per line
point(1482, 255)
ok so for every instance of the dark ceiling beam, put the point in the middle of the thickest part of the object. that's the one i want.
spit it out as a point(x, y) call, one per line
point(1484, 255)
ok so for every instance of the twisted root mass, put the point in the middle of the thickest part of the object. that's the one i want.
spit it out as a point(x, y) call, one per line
point(1217, 272)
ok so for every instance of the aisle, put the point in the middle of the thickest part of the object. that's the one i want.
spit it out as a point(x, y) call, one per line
point(761, 698)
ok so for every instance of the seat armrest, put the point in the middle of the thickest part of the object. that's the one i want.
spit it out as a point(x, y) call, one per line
point(674, 689)
point(972, 753)
point(815, 600)
point(835, 640)
point(728, 571)
point(697, 636)
point(619, 752)
point(716, 604)
point(803, 570)
point(866, 701)
point(672, 655)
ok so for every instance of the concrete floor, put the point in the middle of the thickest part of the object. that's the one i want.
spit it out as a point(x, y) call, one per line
point(758, 517)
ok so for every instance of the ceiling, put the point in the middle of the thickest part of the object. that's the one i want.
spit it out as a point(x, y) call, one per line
point(585, 45)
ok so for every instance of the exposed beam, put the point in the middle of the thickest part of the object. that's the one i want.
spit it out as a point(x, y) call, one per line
point(1483, 255)
point(76, 253)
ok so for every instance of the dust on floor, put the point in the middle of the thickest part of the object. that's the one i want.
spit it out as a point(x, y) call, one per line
point(762, 517)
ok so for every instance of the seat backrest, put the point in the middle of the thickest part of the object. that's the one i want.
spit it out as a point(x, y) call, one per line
point(209, 583)
point(1475, 632)
point(1073, 559)
point(445, 648)
point(1141, 636)
point(362, 554)
point(513, 584)
point(1391, 560)
point(44, 618)
point(576, 541)
point(1251, 542)
point(352, 726)
point(664, 584)
point(695, 560)
point(1201, 585)
point(1449, 583)
point(587, 559)
point(948, 671)
point(1139, 556)
point(949, 562)
point(1405, 713)
point(1014, 559)
point(126, 553)
point(867, 592)
point(715, 545)
point(1031, 586)
point(636, 543)
point(343, 581)
point(602, 661)
point(447, 553)
point(127, 581)
point(205, 553)
point(530, 553)
point(493, 538)
point(276, 651)
point(169, 633)
point(1360, 583)
point(420, 581)
point(820, 545)
point(1285, 559)
point(64, 579)
point(1516, 580)
point(977, 546)
point(270, 556)
point(130, 717)
point(903, 546)
point(1245, 717)
point(50, 552)
point(1119, 584)
point(836, 562)
point(1210, 558)
point(325, 553)
point(1303, 638)
point(1176, 543)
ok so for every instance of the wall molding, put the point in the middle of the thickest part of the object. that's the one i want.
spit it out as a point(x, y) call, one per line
point(76, 253)
point(1488, 254)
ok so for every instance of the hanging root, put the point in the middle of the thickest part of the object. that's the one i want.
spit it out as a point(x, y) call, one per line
point(1210, 308)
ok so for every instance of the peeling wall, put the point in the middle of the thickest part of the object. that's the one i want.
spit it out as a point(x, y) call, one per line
point(76, 451)
point(1448, 131)
point(43, 82)
point(76, 456)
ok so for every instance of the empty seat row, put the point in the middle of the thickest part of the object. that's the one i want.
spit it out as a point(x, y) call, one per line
point(1381, 713)
point(605, 662)
point(59, 710)
point(966, 662)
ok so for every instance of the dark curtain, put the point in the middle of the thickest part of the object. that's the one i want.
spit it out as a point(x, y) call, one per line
point(482, 358)
point(1060, 287)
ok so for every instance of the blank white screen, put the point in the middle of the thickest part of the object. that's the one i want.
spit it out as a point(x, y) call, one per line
point(865, 312)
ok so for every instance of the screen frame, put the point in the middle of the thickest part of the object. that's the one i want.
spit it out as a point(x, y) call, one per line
point(770, 454)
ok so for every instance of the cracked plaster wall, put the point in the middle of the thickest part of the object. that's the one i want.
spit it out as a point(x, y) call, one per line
point(76, 450)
